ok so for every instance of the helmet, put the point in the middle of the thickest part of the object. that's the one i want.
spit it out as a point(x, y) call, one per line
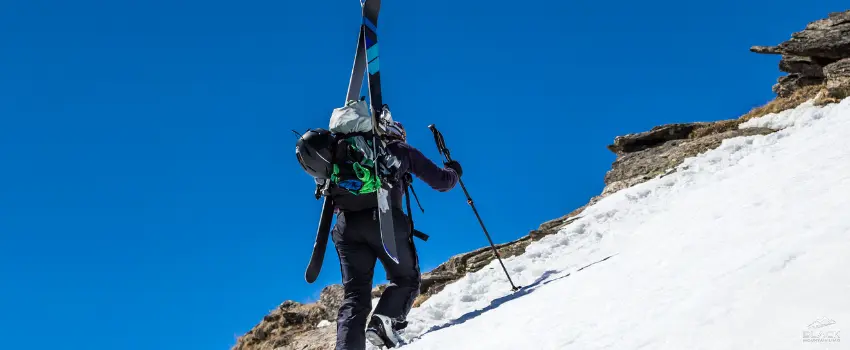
point(392, 128)
point(314, 150)
point(396, 130)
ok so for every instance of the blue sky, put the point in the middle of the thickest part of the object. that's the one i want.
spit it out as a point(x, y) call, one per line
point(150, 194)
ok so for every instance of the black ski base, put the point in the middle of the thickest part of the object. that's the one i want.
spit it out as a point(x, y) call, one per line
point(320, 246)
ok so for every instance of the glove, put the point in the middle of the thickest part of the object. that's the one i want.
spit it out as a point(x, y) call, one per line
point(454, 165)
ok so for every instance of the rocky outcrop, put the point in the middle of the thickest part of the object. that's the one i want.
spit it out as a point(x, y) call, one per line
point(670, 146)
point(827, 38)
point(330, 299)
point(293, 325)
point(787, 85)
point(809, 52)
point(804, 66)
point(315, 339)
point(838, 78)
point(657, 136)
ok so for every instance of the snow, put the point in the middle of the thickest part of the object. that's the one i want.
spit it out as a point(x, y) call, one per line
point(743, 247)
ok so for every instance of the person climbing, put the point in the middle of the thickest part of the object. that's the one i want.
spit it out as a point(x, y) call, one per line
point(357, 238)
point(363, 182)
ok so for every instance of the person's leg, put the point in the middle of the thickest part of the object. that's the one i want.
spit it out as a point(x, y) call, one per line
point(404, 276)
point(357, 262)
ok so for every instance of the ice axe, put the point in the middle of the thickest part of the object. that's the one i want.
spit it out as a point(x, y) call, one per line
point(441, 145)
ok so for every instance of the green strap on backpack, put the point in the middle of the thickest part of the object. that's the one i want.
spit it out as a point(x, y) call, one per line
point(356, 173)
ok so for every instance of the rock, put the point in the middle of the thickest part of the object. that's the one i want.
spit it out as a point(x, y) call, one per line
point(294, 317)
point(432, 282)
point(637, 167)
point(807, 54)
point(284, 324)
point(767, 50)
point(658, 135)
point(296, 326)
point(288, 304)
point(787, 85)
point(378, 290)
point(331, 299)
point(805, 66)
point(323, 338)
point(712, 128)
point(271, 318)
point(838, 78)
point(826, 38)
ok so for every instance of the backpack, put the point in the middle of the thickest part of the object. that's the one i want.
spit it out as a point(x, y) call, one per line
point(355, 179)
point(342, 160)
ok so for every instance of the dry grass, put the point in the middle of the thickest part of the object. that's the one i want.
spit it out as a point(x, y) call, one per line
point(780, 104)
point(825, 100)
point(715, 128)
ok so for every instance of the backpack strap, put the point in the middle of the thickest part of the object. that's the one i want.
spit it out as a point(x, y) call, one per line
point(407, 182)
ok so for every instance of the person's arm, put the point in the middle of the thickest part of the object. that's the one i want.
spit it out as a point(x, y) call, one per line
point(440, 179)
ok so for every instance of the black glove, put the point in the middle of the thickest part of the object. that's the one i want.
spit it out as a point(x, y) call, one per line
point(455, 166)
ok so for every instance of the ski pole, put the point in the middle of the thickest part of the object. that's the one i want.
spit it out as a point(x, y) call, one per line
point(441, 145)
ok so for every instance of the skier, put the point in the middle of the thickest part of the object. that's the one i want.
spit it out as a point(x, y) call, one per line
point(357, 238)
point(362, 166)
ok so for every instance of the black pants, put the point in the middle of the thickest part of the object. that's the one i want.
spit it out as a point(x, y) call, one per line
point(357, 238)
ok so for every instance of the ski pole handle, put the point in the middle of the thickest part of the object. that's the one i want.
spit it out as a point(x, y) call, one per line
point(441, 143)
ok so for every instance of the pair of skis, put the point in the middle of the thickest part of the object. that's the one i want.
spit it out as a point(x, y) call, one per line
point(366, 59)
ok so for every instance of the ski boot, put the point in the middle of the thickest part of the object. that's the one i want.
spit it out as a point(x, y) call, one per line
point(383, 331)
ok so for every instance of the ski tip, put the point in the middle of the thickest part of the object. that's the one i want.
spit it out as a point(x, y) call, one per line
point(432, 127)
point(311, 275)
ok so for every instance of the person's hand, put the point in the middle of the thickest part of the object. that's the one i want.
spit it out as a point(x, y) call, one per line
point(454, 165)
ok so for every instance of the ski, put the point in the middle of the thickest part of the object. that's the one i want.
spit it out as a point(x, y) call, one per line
point(320, 246)
point(369, 33)
point(365, 59)
point(358, 71)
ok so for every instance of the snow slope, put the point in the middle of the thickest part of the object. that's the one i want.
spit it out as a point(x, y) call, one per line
point(744, 247)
